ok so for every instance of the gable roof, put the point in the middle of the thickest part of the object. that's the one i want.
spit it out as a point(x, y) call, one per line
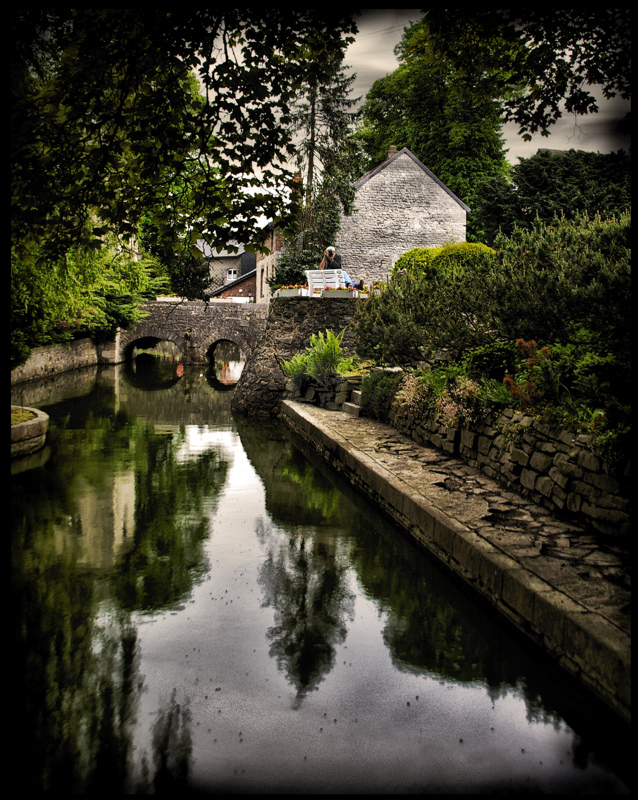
point(404, 151)
point(231, 284)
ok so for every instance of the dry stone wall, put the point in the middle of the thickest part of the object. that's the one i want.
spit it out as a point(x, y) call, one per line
point(556, 469)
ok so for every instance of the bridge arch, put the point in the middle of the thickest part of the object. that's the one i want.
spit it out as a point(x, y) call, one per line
point(144, 336)
point(195, 327)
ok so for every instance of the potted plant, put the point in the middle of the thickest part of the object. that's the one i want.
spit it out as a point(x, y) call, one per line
point(292, 290)
point(329, 291)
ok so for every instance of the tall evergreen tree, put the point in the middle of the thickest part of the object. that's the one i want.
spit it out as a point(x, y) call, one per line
point(554, 183)
point(328, 159)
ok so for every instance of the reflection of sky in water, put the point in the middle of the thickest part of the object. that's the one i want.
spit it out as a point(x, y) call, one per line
point(396, 730)
point(228, 371)
point(261, 683)
point(200, 438)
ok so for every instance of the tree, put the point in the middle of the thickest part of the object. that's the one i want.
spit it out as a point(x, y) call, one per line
point(413, 107)
point(327, 156)
point(550, 183)
point(534, 61)
point(178, 118)
point(111, 126)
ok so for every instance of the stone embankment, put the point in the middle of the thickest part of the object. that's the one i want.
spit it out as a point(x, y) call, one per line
point(53, 359)
point(556, 469)
point(291, 321)
point(565, 586)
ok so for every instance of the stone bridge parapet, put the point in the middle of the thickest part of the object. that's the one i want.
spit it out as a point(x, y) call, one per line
point(195, 326)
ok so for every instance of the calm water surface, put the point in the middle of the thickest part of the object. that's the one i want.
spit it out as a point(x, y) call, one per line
point(199, 604)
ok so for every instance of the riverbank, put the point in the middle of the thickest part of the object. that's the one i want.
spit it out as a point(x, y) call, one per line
point(564, 586)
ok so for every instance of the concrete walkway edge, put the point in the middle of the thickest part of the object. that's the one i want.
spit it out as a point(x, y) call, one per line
point(581, 641)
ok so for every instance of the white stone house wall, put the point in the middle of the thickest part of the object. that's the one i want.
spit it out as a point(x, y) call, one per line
point(399, 205)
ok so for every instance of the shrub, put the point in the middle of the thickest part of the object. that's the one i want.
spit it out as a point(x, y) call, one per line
point(292, 264)
point(415, 261)
point(549, 282)
point(377, 393)
point(87, 293)
point(422, 260)
point(417, 313)
point(446, 391)
point(324, 356)
point(295, 371)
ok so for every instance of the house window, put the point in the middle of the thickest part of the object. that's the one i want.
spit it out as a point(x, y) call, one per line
point(231, 275)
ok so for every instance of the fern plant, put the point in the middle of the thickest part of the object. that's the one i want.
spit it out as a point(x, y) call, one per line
point(324, 355)
point(321, 361)
point(295, 370)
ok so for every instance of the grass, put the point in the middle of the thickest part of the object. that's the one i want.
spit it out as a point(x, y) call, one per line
point(20, 415)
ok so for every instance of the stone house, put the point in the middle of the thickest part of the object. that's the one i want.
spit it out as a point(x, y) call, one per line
point(224, 265)
point(242, 274)
point(399, 205)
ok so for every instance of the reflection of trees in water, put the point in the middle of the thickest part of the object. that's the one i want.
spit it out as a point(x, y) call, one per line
point(75, 650)
point(171, 755)
point(170, 522)
point(76, 684)
point(303, 579)
point(305, 571)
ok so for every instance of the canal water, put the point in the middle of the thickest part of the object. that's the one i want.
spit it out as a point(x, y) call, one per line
point(200, 605)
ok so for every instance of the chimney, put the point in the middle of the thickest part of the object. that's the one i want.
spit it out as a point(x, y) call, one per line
point(391, 152)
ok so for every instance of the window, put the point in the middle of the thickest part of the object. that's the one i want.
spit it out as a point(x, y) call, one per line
point(231, 275)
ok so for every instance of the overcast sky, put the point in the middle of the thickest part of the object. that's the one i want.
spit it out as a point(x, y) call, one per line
point(372, 57)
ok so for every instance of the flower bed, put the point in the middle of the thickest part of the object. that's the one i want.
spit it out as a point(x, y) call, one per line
point(328, 292)
point(296, 290)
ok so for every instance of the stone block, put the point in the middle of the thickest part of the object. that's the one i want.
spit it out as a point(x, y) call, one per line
point(468, 439)
point(610, 515)
point(492, 567)
point(500, 441)
point(573, 502)
point(602, 651)
point(585, 489)
point(541, 462)
point(567, 467)
point(520, 588)
point(606, 483)
point(548, 617)
point(519, 456)
point(545, 485)
point(484, 444)
point(588, 461)
point(528, 478)
point(561, 479)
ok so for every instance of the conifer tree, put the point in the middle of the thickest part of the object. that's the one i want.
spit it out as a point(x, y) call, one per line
point(328, 159)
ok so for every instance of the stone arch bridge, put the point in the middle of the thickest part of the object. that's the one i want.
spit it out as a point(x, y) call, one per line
point(194, 327)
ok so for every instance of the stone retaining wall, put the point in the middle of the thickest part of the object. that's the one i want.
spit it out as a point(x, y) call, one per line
point(556, 469)
point(52, 359)
point(291, 321)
